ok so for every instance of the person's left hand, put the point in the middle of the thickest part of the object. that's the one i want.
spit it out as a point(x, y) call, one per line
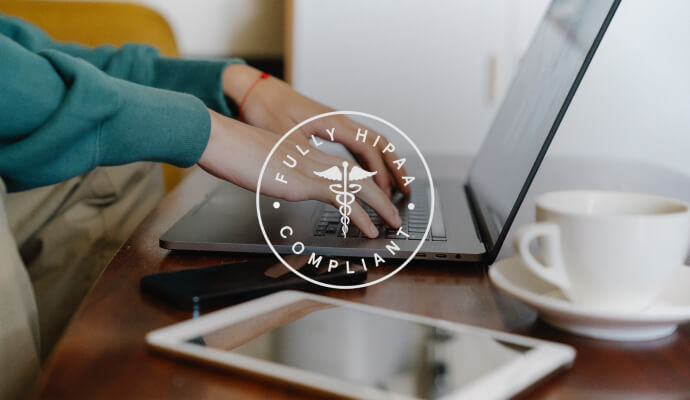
point(274, 106)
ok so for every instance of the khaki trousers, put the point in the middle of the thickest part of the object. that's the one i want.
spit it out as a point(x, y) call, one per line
point(54, 242)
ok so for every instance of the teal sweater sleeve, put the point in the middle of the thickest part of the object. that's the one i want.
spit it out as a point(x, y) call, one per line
point(136, 63)
point(66, 109)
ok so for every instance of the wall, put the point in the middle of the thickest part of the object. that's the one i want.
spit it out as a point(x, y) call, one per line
point(216, 28)
point(421, 65)
point(424, 66)
point(634, 100)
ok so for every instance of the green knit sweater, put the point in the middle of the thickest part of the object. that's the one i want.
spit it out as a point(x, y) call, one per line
point(66, 109)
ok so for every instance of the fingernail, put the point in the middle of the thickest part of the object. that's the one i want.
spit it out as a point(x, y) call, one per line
point(373, 232)
point(397, 220)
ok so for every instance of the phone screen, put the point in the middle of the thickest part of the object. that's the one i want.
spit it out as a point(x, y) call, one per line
point(366, 348)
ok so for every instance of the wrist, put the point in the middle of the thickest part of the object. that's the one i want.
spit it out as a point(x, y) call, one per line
point(213, 117)
point(237, 78)
point(223, 130)
point(215, 137)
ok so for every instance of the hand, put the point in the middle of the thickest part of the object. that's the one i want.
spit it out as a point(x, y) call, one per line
point(273, 105)
point(236, 152)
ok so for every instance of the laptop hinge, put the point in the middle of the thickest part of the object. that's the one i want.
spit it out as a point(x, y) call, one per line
point(479, 224)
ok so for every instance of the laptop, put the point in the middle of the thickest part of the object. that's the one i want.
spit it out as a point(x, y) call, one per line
point(471, 218)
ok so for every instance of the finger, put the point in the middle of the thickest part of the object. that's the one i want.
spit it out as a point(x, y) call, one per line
point(361, 219)
point(397, 170)
point(365, 153)
point(381, 157)
point(383, 153)
point(372, 194)
point(380, 202)
point(397, 174)
point(391, 178)
point(373, 161)
point(357, 215)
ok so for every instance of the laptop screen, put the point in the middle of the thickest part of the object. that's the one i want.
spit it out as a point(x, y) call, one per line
point(537, 98)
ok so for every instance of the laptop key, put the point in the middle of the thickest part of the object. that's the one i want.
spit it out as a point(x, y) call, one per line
point(416, 235)
point(352, 231)
point(332, 228)
point(392, 233)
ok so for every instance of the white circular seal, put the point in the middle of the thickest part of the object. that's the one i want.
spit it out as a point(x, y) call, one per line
point(363, 174)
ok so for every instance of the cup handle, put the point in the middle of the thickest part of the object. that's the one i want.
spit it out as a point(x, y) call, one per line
point(552, 270)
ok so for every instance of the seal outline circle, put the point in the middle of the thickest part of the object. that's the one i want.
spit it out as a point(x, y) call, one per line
point(431, 191)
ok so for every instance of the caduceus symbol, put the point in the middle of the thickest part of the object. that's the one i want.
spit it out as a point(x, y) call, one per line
point(345, 190)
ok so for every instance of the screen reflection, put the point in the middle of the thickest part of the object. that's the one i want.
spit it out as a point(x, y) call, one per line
point(365, 348)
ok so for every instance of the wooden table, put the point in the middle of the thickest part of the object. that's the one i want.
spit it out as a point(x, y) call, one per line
point(103, 355)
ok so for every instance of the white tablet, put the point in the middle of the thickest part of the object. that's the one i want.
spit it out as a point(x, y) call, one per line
point(362, 351)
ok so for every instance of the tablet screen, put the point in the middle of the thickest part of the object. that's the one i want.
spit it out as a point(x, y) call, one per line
point(366, 348)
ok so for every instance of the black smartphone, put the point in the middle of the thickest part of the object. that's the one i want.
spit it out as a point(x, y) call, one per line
point(217, 286)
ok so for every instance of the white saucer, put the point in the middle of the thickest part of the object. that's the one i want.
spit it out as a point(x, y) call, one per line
point(659, 319)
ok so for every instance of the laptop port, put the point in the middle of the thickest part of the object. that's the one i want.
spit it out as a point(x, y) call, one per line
point(421, 255)
point(440, 255)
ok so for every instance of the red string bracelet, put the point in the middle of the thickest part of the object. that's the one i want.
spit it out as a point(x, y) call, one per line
point(246, 94)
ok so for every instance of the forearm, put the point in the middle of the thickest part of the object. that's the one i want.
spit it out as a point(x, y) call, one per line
point(73, 117)
point(136, 63)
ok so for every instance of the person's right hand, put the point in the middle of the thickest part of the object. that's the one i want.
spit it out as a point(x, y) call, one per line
point(236, 152)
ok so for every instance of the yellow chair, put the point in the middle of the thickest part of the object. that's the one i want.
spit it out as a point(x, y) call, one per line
point(96, 23)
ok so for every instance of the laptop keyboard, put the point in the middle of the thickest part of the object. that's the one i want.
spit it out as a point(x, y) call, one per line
point(413, 221)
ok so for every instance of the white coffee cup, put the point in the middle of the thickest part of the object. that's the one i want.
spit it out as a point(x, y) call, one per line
point(608, 250)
